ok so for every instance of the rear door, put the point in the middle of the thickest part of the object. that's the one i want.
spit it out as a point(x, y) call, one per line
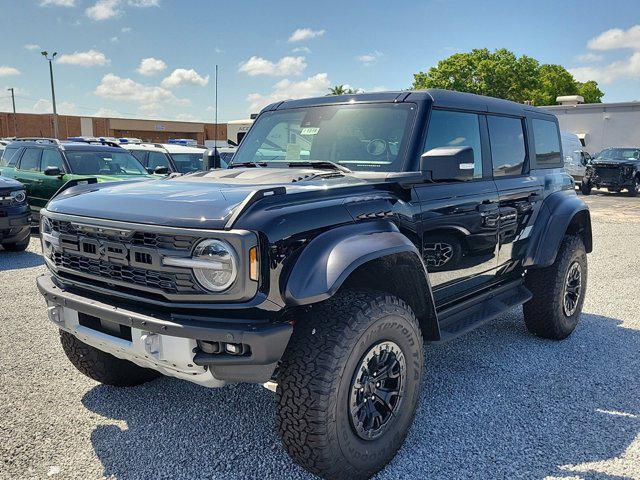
point(459, 219)
point(519, 192)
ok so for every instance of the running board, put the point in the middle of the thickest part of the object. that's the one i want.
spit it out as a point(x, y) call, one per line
point(455, 321)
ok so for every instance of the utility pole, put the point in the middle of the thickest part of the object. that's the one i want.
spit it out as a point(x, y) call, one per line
point(215, 121)
point(15, 120)
point(45, 54)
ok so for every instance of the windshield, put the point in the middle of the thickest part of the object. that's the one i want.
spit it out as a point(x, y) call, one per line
point(83, 162)
point(367, 137)
point(187, 162)
point(620, 153)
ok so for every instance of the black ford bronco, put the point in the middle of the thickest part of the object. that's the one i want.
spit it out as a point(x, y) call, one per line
point(614, 169)
point(15, 217)
point(346, 231)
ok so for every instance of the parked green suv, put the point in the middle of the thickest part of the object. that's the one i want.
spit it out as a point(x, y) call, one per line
point(45, 165)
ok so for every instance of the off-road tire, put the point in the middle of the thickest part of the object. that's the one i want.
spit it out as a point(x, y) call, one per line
point(545, 314)
point(635, 189)
point(15, 247)
point(315, 381)
point(585, 187)
point(103, 367)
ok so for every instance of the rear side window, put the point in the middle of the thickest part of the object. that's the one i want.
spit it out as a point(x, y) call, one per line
point(141, 155)
point(547, 144)
point(9, 156)
point(157, 159)
point(508, 151)
point(31, 160)
point(456, 129)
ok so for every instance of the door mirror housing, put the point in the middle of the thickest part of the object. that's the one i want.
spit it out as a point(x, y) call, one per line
point(52, 171)
point(160, 170)
point(448, 164)
point(211, 159)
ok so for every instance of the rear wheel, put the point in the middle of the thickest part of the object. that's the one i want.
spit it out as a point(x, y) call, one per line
point(349, 384)
point(103, 367)
point(558, 292)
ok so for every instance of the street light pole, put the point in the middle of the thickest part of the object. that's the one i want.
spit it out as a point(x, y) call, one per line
point(45, 54)
point(15, 120)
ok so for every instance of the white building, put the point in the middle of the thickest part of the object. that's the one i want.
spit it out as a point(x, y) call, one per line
point(599, 125)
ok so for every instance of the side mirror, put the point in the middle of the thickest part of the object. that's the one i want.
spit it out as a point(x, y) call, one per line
point(211, 160)
point(52, 171)
point(444, 164)
point(160, 170)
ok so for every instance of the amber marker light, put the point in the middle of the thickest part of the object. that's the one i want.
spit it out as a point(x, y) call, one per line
point(253, 263)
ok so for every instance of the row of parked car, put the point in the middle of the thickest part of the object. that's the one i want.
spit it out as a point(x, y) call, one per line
point(615, 169)
point(32, 170)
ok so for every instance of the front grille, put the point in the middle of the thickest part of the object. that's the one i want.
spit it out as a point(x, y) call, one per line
point(142, 239)
point(608, 174)
point(167, 282)
point(5, 199)
point(123, 256)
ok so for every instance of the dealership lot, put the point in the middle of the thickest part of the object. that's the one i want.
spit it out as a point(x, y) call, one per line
point(497, 403)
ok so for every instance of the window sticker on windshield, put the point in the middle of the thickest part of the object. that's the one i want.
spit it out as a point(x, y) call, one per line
point(293, 151)
point(310, 131)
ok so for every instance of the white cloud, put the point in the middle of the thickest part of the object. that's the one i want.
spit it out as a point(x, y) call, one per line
point(305, 34)
point(589, 58)
point(378, 88)
point(104, 10)
point(124, 89)
point(90, 58)
point(32, 46)
point(58, 3)
point(285, 66)
point(144, 3)
point(182, 76)
point(114, 39)
point(286, 89)
point(617, 38)
point(106, 112)
point(186, 117)
point(151, 66)
point(44, 106)
point(369, 58)
point(125, 29)
point(6, 71)
point(301, 50)
point(611, 72)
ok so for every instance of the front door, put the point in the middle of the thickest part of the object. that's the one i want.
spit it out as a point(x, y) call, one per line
point(459, 219)
point(28, 172)
point(51, 157)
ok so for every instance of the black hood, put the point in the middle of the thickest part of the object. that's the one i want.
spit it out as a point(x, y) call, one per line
point(614, 162)
point(10, 184)
point(201, 200)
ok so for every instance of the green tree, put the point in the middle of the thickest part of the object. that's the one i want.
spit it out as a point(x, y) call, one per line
point(340, 90)
point(590, 91)
point(502, 74)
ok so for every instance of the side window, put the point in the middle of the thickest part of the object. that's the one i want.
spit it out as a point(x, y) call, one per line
point(455, 129)
point(508, 151)
point(9, 156)
point(157, 159)
point(52, 158)
point(31, 160)
point(545, 135)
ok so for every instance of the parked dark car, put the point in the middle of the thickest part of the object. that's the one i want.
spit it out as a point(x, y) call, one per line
point(346, 230)
point(14, 215)
point(614, 169)
point(44, 165)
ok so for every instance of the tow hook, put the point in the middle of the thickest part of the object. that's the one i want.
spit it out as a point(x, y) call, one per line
point(151, 343)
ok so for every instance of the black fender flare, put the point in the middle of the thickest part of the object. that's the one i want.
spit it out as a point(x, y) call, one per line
point(332, 256)
point(556, 215)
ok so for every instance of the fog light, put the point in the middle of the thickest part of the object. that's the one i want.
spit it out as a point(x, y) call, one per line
point(55, 313)
point(209, 347)
point(233, 348)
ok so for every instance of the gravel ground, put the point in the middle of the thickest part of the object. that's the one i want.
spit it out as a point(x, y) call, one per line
point(497, 403)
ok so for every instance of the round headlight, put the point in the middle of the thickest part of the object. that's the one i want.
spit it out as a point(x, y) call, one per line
point(18, 196)
point(223, 268)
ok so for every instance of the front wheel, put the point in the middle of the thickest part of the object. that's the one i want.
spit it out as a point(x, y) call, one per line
point(349, 384)
point(558, 292)
point(16, 247)
point(635, 189)
point(585, 187)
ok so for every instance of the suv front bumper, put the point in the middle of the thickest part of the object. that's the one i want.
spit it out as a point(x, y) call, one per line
point(15, 228)
point(168, 346)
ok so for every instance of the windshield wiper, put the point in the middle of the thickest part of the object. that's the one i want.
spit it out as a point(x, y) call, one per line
point(247, 164)
point(320, 164)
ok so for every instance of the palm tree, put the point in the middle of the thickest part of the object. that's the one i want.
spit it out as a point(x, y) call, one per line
point(340, 90)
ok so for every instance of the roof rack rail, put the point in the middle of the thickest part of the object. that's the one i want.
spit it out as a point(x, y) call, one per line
point(94, 140)
point(53, 141)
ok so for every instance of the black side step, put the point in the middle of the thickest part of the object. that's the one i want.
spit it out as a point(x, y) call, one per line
point(455, 321)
